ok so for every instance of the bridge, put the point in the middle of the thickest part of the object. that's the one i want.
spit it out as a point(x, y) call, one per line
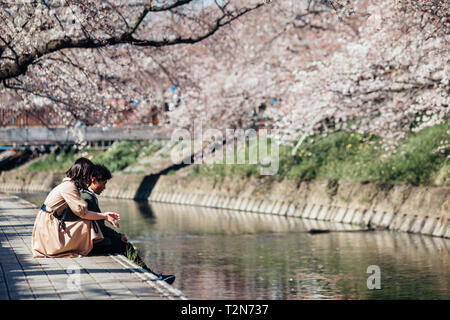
point(92, 135)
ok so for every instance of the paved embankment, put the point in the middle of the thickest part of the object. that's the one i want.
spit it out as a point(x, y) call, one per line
point(402, 208)
point(96, 277)
point(414, 209)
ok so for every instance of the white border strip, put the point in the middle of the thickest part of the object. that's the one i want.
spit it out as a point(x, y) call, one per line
point(161, 286)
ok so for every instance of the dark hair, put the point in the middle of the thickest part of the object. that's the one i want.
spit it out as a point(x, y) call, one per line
point(101, 173)
point(81, 172)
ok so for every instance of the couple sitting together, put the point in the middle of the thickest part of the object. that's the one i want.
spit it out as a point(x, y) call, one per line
point(70, 223)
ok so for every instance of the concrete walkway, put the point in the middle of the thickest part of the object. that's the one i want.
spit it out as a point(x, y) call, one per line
point(96, 277)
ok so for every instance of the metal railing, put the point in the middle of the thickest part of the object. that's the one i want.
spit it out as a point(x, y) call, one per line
point(42, 135)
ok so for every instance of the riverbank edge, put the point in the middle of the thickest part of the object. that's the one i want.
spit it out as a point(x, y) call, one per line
point(413, 209)
point(45, 270)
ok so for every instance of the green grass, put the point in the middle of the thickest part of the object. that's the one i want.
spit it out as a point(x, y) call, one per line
point(351, 156)
point(116, 158)
point(131, 253)
point(242, 155)
point(119, 156)
point(340, 156)
point(416, 162)
point(126, 153)
point(59, 161)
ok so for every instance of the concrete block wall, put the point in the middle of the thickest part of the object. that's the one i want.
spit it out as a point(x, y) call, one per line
point(315, 212)
point(402, 208)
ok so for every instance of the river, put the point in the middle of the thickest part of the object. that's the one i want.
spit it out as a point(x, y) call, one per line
point(219, 254)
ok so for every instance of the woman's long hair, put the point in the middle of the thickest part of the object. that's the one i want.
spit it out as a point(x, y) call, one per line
point(81, 172)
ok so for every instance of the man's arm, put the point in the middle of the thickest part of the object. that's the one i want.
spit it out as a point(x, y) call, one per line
point(92, 206)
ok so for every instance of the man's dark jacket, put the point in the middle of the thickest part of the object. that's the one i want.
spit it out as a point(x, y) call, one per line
point(108, 233)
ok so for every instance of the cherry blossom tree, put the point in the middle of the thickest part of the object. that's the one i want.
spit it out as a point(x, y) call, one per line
point(77, 55)
point(379, 67)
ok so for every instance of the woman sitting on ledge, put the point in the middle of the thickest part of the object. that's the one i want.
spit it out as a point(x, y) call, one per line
point(55, 237)
point(113, 241)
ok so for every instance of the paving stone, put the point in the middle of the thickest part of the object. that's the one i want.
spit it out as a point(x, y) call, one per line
point(70, 295)
point(25, 277)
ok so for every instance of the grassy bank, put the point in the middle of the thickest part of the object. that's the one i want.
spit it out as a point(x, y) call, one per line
point(116, 158)
point(423, 158)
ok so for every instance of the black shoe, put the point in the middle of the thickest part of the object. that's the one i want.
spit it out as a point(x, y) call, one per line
point(169, 278)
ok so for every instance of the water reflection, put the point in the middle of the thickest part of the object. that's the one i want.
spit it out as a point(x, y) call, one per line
point(218, 254)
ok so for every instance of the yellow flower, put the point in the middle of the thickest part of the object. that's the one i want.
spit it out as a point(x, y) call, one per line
point(348, 146)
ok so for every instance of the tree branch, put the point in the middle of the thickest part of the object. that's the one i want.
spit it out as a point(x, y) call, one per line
point(23, 61)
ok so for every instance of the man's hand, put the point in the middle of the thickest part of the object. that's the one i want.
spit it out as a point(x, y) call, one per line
point(124, 238)
point(112, 218)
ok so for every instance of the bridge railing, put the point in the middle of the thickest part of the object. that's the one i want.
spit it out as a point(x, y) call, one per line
point(42, 135)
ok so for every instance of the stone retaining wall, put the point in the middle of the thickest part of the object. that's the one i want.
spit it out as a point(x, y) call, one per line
point(124, 186)
point(401, 208)
point(29, 181)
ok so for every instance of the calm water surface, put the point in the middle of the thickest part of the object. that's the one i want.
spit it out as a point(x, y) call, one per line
point(218, 254)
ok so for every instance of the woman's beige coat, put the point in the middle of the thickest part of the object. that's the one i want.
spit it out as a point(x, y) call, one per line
point(49, 240)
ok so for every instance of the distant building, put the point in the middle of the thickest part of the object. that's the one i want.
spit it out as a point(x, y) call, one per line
point(126, 113)
point(38, 117)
